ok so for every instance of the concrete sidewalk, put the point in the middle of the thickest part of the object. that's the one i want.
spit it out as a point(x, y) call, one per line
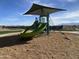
point(17, 33)
point(74, 32)
point(10, 34)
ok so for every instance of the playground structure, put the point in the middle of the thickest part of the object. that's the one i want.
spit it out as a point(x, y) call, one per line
point(35, 32)
point(43, 13)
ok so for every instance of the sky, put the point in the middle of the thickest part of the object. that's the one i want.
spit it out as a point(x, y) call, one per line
point(11, 11)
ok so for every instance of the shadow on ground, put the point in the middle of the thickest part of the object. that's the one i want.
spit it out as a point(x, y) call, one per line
point(11, 40)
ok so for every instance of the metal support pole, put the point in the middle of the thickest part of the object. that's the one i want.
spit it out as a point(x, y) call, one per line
point(41, 15)
point(39, 18)
point(48, 24)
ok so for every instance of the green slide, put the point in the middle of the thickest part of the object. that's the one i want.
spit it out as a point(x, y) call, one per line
point(34, 33)
point(33, 26)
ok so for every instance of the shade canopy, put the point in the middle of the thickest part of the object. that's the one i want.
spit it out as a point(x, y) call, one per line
point(42, 10)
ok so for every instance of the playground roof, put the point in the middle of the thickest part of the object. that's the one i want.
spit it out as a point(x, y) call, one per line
point(42, 10)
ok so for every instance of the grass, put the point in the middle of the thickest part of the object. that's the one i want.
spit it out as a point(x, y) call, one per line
point(5, 32)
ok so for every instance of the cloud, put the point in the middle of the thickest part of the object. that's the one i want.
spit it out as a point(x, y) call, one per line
point(49, 4)
point(40, 3)
point(68, 0)
point(66, 17)
point(72, 14)
point(10, 19)
point(71, 0)
point(33, 1)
